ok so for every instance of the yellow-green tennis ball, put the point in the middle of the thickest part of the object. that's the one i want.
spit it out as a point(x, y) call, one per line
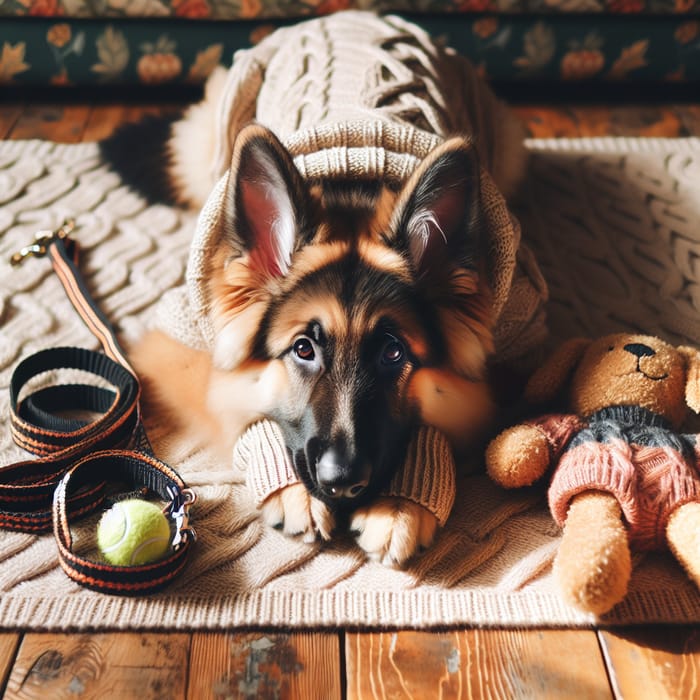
point(133, 532)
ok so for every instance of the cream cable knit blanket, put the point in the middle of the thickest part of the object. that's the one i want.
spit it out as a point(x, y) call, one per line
point(613, 223)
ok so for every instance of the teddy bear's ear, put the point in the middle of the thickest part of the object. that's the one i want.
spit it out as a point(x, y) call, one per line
point(692, 376)
point(549, 379)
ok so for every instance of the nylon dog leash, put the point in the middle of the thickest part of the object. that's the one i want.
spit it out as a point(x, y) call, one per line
point(77, 458)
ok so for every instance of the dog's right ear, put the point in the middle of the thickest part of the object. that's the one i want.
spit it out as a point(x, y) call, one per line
point(266, 215)
point(548, 380)
point(437, 219)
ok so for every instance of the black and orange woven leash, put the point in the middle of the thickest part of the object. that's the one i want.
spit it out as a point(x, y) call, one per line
point(77, 458)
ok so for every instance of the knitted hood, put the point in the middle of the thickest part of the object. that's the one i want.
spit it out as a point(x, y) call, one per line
point(355, 95)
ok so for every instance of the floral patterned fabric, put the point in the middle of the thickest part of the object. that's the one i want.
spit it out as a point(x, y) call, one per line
point(504, 48)
point(85, 42)
point(257, 9)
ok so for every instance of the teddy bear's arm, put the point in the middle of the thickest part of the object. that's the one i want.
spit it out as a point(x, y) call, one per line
point(521, 455)
point(558, 429)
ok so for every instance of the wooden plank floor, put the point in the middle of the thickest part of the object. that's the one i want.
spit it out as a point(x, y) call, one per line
point(645, 662)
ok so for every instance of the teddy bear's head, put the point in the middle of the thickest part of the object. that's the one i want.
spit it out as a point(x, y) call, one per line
point(622, 370)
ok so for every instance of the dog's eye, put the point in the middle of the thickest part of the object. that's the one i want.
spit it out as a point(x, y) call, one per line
point(393, 352)
point(304, 349)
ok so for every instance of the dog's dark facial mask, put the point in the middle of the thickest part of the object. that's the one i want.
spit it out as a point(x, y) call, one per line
point(331, 284)
point(346, 335)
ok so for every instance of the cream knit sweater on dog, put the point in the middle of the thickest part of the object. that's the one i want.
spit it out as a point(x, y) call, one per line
point(355, 95)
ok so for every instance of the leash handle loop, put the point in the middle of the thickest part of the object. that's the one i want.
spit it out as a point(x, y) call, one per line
point(77, 456)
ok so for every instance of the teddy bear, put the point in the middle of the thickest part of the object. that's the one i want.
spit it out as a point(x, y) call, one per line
point(623, 476)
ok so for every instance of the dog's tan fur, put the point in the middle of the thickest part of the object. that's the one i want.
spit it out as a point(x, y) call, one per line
point(218, 395)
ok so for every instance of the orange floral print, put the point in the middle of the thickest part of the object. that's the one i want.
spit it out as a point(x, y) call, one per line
point(687, 32)
point(626, 6)
point(476, 5)
point(194, 9)
point(583, 59)
point(45, 8)
point(251, 8)
point(154, 68)
point(326, 7)
point(581, 64)
point(59, 35)
point(485, 27)
point(61, 78)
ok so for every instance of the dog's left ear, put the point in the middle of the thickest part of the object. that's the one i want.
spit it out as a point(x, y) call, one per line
point(436, 219)
point(267, 205)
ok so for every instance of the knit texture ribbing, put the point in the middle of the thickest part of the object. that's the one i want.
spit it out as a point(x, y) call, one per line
point(636, 456)
point(427, 476)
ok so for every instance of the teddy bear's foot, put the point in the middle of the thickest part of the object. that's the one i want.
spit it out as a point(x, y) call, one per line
point(297, 514)
point(392, 529)
point(593, 565)
point(683, 535)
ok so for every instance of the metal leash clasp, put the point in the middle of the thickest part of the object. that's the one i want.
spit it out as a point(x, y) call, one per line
point(42, 240)
point(179, 510)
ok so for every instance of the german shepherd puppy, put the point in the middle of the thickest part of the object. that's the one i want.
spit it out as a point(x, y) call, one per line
point(347, 311)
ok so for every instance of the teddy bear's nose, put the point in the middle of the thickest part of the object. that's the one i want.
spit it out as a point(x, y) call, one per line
point(639, 349)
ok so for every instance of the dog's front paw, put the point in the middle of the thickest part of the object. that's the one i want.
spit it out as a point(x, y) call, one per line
point(297, 514)
point(392, 529)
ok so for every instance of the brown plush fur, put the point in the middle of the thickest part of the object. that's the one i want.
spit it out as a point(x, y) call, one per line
point(593, 565)
point(593, 572)
point(683, 532)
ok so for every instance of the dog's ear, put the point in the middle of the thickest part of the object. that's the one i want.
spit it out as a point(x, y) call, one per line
point(692, 374)
point(267, 203)
point(549, 379)
point(436, 219)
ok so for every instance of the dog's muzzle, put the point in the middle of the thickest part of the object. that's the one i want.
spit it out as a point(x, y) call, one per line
point(337, 478)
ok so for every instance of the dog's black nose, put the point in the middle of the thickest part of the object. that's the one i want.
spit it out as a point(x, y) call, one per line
point(336, 478)
point(640, 350)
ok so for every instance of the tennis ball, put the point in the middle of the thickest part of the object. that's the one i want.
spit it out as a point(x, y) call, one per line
point(133, 532)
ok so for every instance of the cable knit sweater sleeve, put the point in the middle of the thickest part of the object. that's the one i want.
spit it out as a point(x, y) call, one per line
point(427, 477)
point(263, 457)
